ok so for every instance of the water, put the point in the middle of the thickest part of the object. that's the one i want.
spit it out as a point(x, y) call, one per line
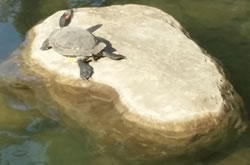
point(222, 27)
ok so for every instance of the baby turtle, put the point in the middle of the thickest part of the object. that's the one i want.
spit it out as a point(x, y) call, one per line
point(76, 42)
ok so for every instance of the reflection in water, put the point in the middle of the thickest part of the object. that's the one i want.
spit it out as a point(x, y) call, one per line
point(12, 135)
point(27, 153)
point(18, 105)
point(9, 40)
point(27, 13)
point(31, 11)
point(39, 124)
point(8, 9)
point(82, 3)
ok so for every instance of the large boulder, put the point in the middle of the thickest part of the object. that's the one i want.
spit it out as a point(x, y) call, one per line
point(167, 98)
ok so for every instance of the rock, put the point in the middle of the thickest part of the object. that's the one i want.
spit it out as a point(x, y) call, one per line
point(166, 99)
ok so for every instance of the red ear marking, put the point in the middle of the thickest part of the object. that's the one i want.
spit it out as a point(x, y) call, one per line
point(68, 16)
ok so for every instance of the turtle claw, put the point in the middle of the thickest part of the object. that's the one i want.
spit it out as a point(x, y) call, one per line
point(113, 56)
point(118, 57)
point(86, 71)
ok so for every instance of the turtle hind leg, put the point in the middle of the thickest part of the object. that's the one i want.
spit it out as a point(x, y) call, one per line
point(86, 71)
point(46, 45)
point(112, 56)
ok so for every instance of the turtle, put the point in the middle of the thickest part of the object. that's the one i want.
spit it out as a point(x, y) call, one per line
point(76, 42)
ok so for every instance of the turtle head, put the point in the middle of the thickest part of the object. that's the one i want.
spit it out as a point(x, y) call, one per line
point(65, 19)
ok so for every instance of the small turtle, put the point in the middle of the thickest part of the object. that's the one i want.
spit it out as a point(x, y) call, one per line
point(76, 42)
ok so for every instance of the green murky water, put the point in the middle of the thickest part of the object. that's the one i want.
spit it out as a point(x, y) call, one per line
point(28, 137)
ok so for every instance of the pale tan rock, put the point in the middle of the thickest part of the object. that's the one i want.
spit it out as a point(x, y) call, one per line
point(170, 97)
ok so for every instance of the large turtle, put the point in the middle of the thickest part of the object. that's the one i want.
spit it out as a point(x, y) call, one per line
point(76, 42)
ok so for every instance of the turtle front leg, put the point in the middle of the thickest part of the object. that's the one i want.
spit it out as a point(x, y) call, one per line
point(86, 71)
point(46, 45)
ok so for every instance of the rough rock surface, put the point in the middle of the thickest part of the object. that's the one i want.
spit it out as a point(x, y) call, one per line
point(167, 98)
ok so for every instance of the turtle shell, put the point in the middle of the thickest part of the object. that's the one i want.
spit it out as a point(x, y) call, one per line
point(72, 41)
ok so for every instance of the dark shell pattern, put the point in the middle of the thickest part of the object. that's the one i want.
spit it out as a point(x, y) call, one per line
point(72, 41)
